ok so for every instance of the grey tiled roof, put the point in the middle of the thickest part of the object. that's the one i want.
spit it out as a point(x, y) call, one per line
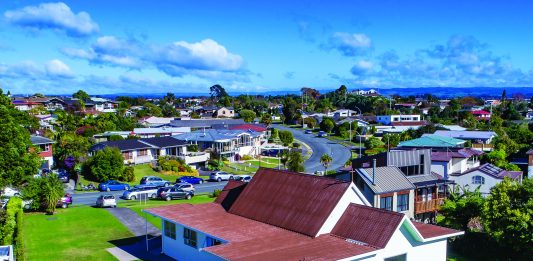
point(204, 123)
point(37, 140)
point(388, 179)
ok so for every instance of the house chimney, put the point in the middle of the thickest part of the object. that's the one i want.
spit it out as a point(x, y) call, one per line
point(373, 171)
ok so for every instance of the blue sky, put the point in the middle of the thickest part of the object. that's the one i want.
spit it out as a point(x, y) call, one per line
point(248, 46)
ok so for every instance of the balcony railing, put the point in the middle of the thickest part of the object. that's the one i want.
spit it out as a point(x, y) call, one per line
point(428, 205)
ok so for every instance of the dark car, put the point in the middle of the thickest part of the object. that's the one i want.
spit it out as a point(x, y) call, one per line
point(169, 193)
point(63, 176)
point(190, 180)
point(154, 181)
point(308, 131)
point(112, 185)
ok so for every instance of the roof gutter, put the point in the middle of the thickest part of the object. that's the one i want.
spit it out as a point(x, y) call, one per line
point(373, 171)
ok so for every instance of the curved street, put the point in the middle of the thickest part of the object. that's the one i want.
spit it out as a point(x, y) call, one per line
point(339, 153)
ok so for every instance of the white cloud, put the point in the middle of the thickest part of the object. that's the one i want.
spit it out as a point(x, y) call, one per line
point(58, 68)
point(51, 70)
point(54, 16)
point(350, 44)
point(362, 67)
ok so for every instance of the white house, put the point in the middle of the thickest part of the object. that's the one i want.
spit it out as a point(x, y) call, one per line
point(454, 161)
point(485, 177)
point(282, 215)
point(225, 112)
point(390, 119)
point(161, 131)
point(342, 113)
point(155, 121)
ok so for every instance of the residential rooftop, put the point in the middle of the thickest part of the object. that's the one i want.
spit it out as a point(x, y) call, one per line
point(432, 141)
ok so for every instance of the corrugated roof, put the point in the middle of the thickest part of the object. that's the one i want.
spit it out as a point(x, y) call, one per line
point(466, 134)
point(426, 178)
point(294, 201)
point(448, 155)
point(388, 179)
point(123, 145)
point(493, 171)
point(432, 141)
point(230, 193)
point(163, 142)
point(251, 240)
point(210, 135)
point(429, 231)
point(204, 123)
point(369, 225)
point(37, 140)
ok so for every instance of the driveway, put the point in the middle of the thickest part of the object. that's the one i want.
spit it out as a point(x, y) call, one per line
point(320, 146)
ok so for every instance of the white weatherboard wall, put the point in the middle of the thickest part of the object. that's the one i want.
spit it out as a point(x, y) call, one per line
point(177, 249)
point(351, 195)
point(402, 242)
point(466, 179)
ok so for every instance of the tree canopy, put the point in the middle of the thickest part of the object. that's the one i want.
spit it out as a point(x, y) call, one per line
point(81, 95)
point(247, 115)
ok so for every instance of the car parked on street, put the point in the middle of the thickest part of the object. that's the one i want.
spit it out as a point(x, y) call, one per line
point(190, 179)
point(220, 176)
point(107, 200)
point(243, 178)
point(322, 134)
point(308, 131)
point(141, 191)
point(170, 193)
point(112, 185)
point(154, 181)
point(185, 186)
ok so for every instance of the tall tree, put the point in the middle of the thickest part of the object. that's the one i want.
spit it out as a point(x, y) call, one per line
point(286, 137)
point(461, 206)
point(81, 95)
point(247, 115)
point(326, 160)
point(105, 164)
point(217, 91)
point(295, 161)
point(18, 159)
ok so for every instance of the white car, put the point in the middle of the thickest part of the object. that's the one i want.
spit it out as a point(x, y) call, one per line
point(243, 178)
point(141, 191)
point(106, 201)
point(185, 186)
point(10, 192)
point(220, 176)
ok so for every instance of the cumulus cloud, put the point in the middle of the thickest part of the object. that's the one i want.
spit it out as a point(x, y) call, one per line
point(362, 67)
point(206, 58)
point(350, 44)
point(54, 16)
point(53, 69)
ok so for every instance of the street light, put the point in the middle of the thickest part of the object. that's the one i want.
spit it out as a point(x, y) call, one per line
point(356, 131)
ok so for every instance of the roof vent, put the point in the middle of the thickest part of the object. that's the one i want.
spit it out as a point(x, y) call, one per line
point(353, 241)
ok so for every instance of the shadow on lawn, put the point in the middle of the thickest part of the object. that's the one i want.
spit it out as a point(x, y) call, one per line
point(136, 246)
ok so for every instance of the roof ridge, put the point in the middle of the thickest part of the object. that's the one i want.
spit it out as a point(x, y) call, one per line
point(345, 238)
point(301, 174)
point(377, 209)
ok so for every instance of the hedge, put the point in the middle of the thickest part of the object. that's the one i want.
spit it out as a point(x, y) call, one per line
point(11, 230)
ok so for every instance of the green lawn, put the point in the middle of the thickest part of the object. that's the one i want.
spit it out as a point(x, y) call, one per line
point(135, 206)
point(76, 233)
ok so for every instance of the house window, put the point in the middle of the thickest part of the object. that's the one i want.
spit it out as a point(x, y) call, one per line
point(479, 180)
point(45, 148)
point(189, 237)
point(170, 229)
point(396, 258)
point(385, 203)
point(143, 152)
point(403, 202)
point(127, 155)
point(209, 241)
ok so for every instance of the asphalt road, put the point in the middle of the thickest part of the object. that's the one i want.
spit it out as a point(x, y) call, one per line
point(89, 198)
point(320, 146)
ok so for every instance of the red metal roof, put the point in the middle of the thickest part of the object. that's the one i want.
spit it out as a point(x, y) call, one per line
point(369, 225)
point(428, 231)
point(480, 112)
point(254, 127)
point(409, 123)
point(252, 240)
point(294, 201)
point(230, 193)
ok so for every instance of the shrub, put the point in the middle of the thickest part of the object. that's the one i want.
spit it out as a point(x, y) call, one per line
point(215, 193)
point(128, 174)
point(295, 145)
point(192, 148)
point(246, 157)
point(10, 221)
point(105, 164)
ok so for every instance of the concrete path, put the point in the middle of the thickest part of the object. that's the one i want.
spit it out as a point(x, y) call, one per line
point(135, 223)
point(121, 254)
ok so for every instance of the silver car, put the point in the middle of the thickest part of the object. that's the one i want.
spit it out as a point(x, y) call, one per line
point(107, 200)
point(141, 191)
point(220, 176)
point(185, 186)
point(243, 178)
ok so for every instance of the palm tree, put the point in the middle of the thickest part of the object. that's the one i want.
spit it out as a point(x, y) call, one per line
point(326, 161)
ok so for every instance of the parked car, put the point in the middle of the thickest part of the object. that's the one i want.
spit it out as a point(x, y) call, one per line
point(141, 191)
point(174, 193)
point(308, 131)
point(65, 201)
point(322, 134)
point(185, 186)
point(112, 185)
point(107, 200)
point(63, 176)
point(10, 192)
point(190, 179)
point(243, 178)
point(220, 176)
point(154, 181)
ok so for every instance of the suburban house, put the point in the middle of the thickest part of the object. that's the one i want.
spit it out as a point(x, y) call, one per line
point(282, 215)
point(370, 92)
point(138, 151)
point(45, 150)
point(104, 105)
point(392, 119)
point(415, 165)
point(480, 139)
point(46, 121)
point(159, 132)
point(225, 112)
point(386, 188)
point(445, 163)
point(434, 142)
point(227, 143)
point(342, 113)
point(485, 177)
point(481, 114)
point(198, 124)
point(153, 121)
